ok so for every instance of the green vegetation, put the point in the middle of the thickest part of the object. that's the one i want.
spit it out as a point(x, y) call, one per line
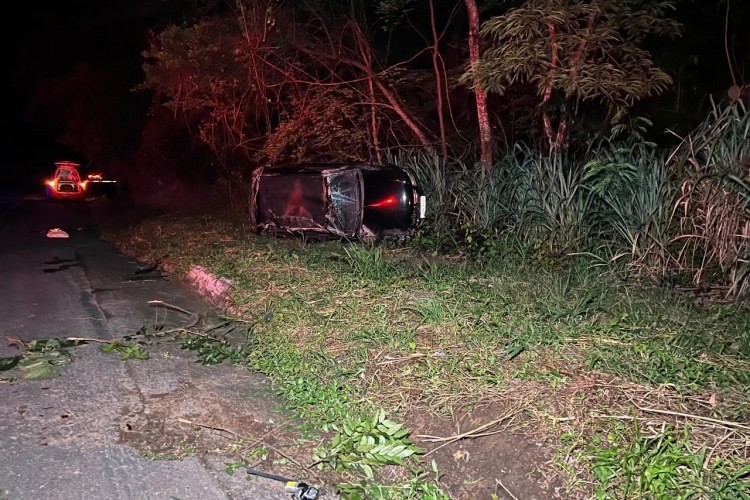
point(40, 359)
point(367, 443)
point(349, 337)
point(602, 296)
point(663, 466)
point(587, 279)
point(126, 350)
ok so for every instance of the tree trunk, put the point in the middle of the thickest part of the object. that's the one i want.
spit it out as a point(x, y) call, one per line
point(485, 132)
point(553, 61)
point(438, 81)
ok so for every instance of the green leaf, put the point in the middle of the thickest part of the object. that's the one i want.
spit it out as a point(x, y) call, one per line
point(367, 470)
point(39, 371)
point(9, 363)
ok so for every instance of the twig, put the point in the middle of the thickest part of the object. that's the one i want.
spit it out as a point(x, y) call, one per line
point(185, 331)
point(255, 442)
point(389, 361)
point(170, 306)
point(713, 450)
point(17, 342)
point(478, 432)
point(696, 417)
point(481, 428)
point(91, 339)
point(211, 427)
point(617, 417)
point(506, 490)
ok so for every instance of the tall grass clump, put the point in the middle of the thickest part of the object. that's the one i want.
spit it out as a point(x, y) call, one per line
point(528, 195)
point(550, 204)
point(677, 216)
point(714, 196)
point(633, 200)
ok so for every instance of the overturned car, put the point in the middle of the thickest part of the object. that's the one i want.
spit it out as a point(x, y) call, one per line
point(355, 201)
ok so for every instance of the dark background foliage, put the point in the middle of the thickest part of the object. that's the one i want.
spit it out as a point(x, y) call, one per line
point(74, 71)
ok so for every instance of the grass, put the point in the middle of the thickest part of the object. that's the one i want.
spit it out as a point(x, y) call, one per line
point(531, 287)
point(662, 465)
point(644, 374)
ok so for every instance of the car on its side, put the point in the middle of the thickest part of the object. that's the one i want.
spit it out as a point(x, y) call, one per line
point(66, 183)
point(337, 200)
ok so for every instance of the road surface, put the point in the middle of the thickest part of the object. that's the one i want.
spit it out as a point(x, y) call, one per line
point(107, 428)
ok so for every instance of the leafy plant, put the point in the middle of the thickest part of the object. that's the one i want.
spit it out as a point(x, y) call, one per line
point(417, 488)
point(661, 466)
point(126, 350)
point(213, 351)
point(41, 359)
point(365, 444)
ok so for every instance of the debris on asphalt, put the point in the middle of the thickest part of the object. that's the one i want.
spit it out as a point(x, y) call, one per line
point(298, 489)
point(40, 360)
point(56, 232)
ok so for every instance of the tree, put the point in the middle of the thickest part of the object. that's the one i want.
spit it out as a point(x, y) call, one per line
point(206, 74)
point(576, 51)
point(485, 132)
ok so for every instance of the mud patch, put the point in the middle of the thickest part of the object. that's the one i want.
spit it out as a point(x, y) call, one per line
point(187, 421)
point(505, 463)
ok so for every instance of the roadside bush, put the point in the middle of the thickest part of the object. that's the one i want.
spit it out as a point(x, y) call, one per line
point(666, 214)
point(713, 209)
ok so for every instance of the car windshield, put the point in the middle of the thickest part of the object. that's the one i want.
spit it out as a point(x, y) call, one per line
point(67, 174)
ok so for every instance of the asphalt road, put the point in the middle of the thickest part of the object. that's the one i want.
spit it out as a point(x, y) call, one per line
point(87, 433)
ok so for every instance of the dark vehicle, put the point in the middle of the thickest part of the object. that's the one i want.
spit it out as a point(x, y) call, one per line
point(355, 201)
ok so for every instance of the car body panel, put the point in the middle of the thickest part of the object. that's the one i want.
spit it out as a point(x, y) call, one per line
point(338, 200)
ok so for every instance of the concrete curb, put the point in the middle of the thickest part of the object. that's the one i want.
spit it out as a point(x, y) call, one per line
point(213, 289)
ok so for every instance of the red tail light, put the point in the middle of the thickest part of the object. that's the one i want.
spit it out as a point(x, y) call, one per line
point(387, 202)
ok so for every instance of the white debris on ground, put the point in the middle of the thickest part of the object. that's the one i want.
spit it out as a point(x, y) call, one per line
point(57, 233)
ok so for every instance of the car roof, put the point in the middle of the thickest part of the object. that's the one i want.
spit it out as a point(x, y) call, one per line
point(67, 164)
